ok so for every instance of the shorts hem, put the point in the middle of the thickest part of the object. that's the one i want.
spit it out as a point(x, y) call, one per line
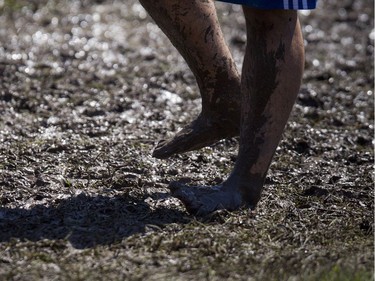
point(275, 5)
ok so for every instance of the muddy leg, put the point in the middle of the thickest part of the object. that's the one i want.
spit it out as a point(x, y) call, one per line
point(271, 78)
point(193, 28)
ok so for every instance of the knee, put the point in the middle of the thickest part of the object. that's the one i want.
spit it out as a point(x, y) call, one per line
point(270, 17)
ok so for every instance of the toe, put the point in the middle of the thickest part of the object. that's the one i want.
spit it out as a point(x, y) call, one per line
point(187, 196)
point(161, 150)
point(182, 192)
point(200, 133)
point(197, 199)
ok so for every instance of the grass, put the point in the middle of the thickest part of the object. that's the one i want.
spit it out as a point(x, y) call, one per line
point(230, 248)
point(82, 199)
point(11, 6)
point(341, 273)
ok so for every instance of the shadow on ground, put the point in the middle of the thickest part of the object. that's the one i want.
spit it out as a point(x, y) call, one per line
point(86, 221)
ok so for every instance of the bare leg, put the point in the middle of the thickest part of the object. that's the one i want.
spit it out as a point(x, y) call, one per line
point(193, 28)
point(271, 78)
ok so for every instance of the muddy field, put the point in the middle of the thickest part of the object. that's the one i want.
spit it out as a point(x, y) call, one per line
point(87, 88)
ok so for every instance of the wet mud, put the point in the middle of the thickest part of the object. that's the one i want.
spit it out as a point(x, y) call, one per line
point(88, 88)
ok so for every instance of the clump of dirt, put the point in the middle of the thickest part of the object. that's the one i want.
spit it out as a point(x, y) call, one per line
point(87, 90)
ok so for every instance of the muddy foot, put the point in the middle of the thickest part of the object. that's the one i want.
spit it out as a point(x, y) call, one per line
point(200, 133)
point(202, 200)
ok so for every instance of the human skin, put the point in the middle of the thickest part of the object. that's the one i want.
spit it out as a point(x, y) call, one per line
point(271, 77)
point(193, 28)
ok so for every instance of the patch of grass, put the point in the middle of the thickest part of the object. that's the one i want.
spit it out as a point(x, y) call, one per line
point(341, 273)
point(11, 6)
point(82, 199)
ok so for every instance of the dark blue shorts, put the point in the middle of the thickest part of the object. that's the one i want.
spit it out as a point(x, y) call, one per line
point(276, 4)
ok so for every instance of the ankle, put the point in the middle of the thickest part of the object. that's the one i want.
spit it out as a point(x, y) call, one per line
point(222, 97)
point(249, 186)
point(219, 89)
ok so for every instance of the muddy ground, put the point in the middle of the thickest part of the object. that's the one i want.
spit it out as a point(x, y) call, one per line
point(86, 90)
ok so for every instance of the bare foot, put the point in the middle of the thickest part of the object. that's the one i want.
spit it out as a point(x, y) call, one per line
point(201, 132)
point(203, 200)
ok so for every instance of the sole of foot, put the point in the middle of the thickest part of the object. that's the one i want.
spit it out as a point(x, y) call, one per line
point(202, 132)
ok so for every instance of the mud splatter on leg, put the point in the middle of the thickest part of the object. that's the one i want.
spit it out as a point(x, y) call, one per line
point(193, 28)
point(271, 78)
